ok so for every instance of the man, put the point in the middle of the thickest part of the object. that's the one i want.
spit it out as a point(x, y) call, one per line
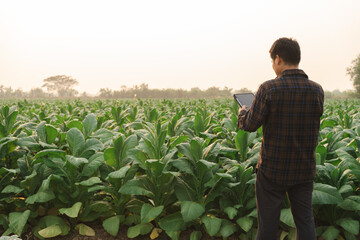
point(288, 108)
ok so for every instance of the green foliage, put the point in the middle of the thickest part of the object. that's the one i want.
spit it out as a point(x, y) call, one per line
point(160, 166)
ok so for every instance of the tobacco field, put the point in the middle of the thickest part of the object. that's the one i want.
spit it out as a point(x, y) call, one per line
point(159, 167)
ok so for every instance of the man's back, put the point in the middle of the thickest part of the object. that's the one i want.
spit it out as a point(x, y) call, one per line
point(289, 108)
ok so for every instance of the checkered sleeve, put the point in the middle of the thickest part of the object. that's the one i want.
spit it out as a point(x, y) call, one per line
point(253, 118)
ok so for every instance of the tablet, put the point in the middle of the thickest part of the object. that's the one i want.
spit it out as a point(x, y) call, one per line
point(244, 99)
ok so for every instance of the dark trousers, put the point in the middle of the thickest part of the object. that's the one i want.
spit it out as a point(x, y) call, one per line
point(269, 198)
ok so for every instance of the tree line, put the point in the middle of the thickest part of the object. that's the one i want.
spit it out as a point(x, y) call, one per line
point(62, 86)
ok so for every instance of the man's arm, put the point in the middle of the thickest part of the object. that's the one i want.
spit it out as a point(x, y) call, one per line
point(251, 120)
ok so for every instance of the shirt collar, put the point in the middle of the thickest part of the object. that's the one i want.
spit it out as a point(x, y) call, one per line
point(288, 72)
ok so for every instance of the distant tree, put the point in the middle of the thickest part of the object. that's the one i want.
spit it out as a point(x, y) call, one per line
point(19, 93)
point(84, 95)
point(36, 93)
point(61, 84)
point(354, 72)
point(105, 93)
point(6, 92)
point(2, 90)
point(243, 90)
point(195, 92)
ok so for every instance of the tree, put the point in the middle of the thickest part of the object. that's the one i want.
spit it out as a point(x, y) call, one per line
point(354, 72)
point(106, 93)
point(36, 93)
point(61, 84)
point(243, 90)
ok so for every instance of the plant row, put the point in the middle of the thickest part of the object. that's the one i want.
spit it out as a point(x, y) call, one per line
point(159, 167)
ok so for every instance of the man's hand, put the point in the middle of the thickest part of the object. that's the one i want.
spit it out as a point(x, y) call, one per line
point(243, 108)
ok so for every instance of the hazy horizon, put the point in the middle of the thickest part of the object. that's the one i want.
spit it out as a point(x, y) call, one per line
point(175, 45)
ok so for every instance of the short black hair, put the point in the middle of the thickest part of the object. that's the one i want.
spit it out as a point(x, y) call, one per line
point(288, 49)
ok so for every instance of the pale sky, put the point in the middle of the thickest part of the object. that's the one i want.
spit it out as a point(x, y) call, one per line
point(173, 44)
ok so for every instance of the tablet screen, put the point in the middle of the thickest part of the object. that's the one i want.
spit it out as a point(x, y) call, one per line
point(244, 99)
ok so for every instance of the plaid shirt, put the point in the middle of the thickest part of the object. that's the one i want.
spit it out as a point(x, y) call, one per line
point(289, 109)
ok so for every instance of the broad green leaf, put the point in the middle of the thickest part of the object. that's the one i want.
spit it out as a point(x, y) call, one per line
point(318, 159)
point(85, 230)
point(183, 165)
point(55, 153)
point(3, 132)
point(28, 142)
point(17, 221)
point(73, 211)
point(224, 175)
point(227, 123)
point(325, 194)
point(349, 225)
point(156, 166)
point(346, 188)
point(173, 235)
point(40, 130)
point(184, 192)
point(195, 235)
point(75, 140)
point(121, 173)
point(30, 182)
point(76, 161)
point(177, 140)
point(129, 143)
point(149, 213)
point(196, 150)
point(50, 220)
point(331, 233)
point(95, 161)
point(88, 148)
point(212, 224)
point(103, 134)
point(140, 229)
point(41, 196)
point(352, 203)
point(227, 228)
point(245, 223)
point(90, 124)
point(51, 231)
point(241, 143)
point(112, 224)
point(89, 182)
point(134, 186)
point(207, 164)
point(11, 119)
point(184, 148)
point(191, 210)
point(199, 124)
point(172, 223)
point(349, 236)
point(211, 151)
point(287, 217)
point(51, 133)
point(132, 219)
point(12, 189)
point(75, 124)
point(321, 150)
point(96, 188)
point(110, 157)
point(231, 212)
